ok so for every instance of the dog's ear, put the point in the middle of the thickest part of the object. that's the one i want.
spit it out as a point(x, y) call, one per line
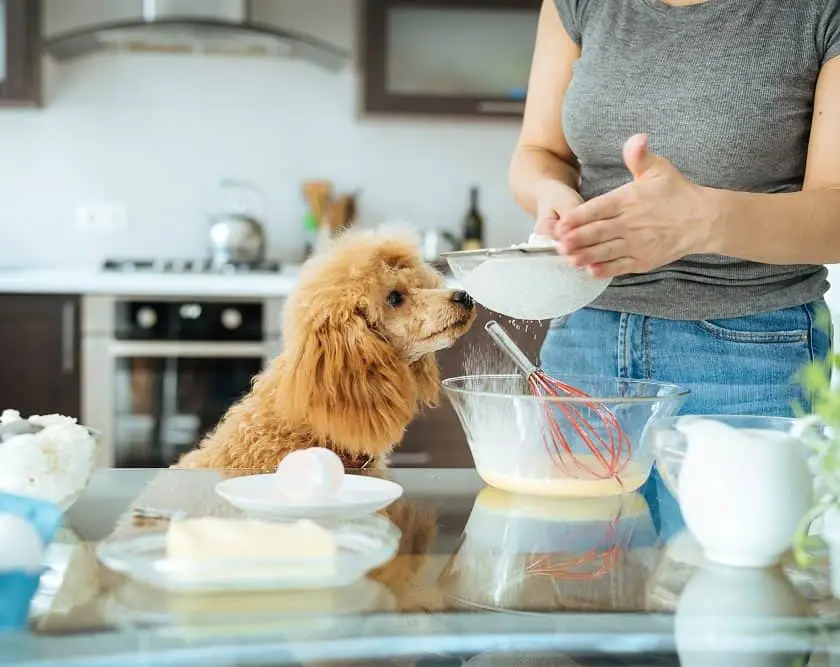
point(349, 384)
point(427, 379)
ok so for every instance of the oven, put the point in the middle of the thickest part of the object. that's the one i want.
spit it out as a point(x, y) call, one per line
point(158, 373)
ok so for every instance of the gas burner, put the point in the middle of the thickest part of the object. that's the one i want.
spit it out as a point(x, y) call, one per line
point(181, 266)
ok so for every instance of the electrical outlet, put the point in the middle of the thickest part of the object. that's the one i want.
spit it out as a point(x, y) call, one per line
point(101, 218)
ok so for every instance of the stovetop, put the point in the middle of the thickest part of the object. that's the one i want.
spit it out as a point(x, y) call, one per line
point(186, 266)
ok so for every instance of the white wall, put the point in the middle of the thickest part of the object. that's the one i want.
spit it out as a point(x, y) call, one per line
point(156, 132)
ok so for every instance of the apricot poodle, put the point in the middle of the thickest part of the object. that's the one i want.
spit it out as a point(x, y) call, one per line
point(359, 336)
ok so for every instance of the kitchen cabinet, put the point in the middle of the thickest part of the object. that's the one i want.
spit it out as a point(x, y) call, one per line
point(447, 57)
point(39, 343)
point(20, 59)
point(435, 438)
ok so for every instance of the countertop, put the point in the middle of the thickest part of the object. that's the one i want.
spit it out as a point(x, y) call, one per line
point(479, 576)
point(74, 280)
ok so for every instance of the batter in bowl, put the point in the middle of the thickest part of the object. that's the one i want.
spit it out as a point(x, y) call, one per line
point(558, 483)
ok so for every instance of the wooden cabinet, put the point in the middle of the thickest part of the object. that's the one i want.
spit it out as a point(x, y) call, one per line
point(447, 57)
point(39, 354)
point(20, 59)
point(435, 438)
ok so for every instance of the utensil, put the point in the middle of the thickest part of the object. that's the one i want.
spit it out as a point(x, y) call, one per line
point(732, 617)
point(506, 431)
point(742, 482)
point(362, 546)
point(607, 443)
point(524, 282)
point(532, 554)
point(236, 235)
point(260, 495)
point(437, 241)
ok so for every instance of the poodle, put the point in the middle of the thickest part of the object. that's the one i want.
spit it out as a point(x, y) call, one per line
point(360, 333)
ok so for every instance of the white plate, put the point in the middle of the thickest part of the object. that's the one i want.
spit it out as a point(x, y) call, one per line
point(259, 495)
point(362, 546)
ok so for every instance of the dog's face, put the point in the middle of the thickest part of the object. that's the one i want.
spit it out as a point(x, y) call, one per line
point(410, 307)
point(359, 333)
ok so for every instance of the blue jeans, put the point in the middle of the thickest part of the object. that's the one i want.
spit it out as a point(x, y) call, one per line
point(735, 366)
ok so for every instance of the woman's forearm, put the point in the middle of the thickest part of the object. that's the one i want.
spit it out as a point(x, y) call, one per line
point(785, 228)
point(530, 167)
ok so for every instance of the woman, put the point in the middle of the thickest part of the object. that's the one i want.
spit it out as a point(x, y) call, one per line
point(691, 152)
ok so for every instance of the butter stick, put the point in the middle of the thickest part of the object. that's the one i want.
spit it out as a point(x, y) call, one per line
point(301, 550)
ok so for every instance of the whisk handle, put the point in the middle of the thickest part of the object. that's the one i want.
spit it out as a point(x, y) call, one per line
point(506, 344)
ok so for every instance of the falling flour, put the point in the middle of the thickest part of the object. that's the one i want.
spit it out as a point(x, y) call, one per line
point(535, 287)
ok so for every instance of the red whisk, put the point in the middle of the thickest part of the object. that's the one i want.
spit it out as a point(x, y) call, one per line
point(606, 442)
point(593, 564)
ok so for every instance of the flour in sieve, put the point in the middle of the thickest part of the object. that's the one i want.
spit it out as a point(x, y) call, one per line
point(531, 288)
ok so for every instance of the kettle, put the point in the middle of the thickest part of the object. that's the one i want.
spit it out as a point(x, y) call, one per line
point(437, 241)
point(236, 235)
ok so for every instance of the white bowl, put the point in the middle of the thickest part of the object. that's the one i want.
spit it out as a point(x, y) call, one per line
point(37, 482)
point(525, 283)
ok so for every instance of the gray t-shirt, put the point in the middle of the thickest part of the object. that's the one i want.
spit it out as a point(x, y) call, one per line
point(725, 91)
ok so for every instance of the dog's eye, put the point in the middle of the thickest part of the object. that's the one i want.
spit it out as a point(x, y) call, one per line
point(395, 299)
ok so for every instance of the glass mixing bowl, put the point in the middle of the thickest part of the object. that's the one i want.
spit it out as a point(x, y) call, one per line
point(538, 445)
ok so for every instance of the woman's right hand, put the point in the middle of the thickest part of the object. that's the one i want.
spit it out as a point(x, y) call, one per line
point(554, 200)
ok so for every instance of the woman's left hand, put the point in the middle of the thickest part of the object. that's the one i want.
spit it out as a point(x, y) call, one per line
point(659, 217)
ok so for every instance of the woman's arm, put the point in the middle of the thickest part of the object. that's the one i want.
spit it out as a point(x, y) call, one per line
point(799, 227)
point(542, 158)
point(661, 216)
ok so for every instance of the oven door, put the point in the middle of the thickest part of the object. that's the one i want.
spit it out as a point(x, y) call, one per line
point(153, 400)
point(167, 396)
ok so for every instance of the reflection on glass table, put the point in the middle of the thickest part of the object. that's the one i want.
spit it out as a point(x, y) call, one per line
point(481, 577)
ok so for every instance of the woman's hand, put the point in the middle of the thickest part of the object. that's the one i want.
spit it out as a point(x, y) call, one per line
point(655, 219)
point(555, 199)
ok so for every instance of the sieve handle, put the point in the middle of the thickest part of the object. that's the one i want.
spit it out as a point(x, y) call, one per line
point(506, 344)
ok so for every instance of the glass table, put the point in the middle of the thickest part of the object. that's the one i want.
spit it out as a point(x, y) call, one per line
point(481, 578)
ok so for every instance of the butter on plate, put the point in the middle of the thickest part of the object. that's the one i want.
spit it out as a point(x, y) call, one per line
point(206, 548)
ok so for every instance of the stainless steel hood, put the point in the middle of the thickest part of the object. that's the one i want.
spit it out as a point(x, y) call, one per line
point(212, 27)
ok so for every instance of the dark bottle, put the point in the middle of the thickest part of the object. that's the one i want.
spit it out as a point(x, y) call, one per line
point(473, 238)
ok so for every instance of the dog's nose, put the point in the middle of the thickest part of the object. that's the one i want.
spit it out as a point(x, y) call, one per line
point(464, 299)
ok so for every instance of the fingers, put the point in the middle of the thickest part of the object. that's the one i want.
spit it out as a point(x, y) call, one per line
point(641, 162)
point(605, 207)
point(590, 235)
point(545, 226)
point(599, 254)
point(636, 155)
point(617, 267)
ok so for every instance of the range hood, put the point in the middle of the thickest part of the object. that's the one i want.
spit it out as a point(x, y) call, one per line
point(212, 27)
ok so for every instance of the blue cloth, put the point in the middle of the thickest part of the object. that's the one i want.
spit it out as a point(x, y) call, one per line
point(18, 588)
point(733, 366)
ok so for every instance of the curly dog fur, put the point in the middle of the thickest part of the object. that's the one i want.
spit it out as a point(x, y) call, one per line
point(359, 337)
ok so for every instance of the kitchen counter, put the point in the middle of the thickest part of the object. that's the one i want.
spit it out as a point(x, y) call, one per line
point(92, 281)
point(478, 572)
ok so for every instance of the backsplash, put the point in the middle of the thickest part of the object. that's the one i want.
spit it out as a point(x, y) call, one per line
point(155, 134)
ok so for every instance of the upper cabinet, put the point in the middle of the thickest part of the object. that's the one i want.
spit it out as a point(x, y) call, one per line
point(20, 61)
point(447, 57)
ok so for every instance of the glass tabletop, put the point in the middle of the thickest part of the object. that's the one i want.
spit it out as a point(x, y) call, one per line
point(481, 577)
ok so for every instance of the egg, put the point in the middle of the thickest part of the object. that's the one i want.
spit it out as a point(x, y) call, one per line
point(21, 548)
point(310, 475)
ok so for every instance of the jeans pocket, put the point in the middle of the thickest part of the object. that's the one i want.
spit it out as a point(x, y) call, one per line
point(790, 325)
point(558, 322)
